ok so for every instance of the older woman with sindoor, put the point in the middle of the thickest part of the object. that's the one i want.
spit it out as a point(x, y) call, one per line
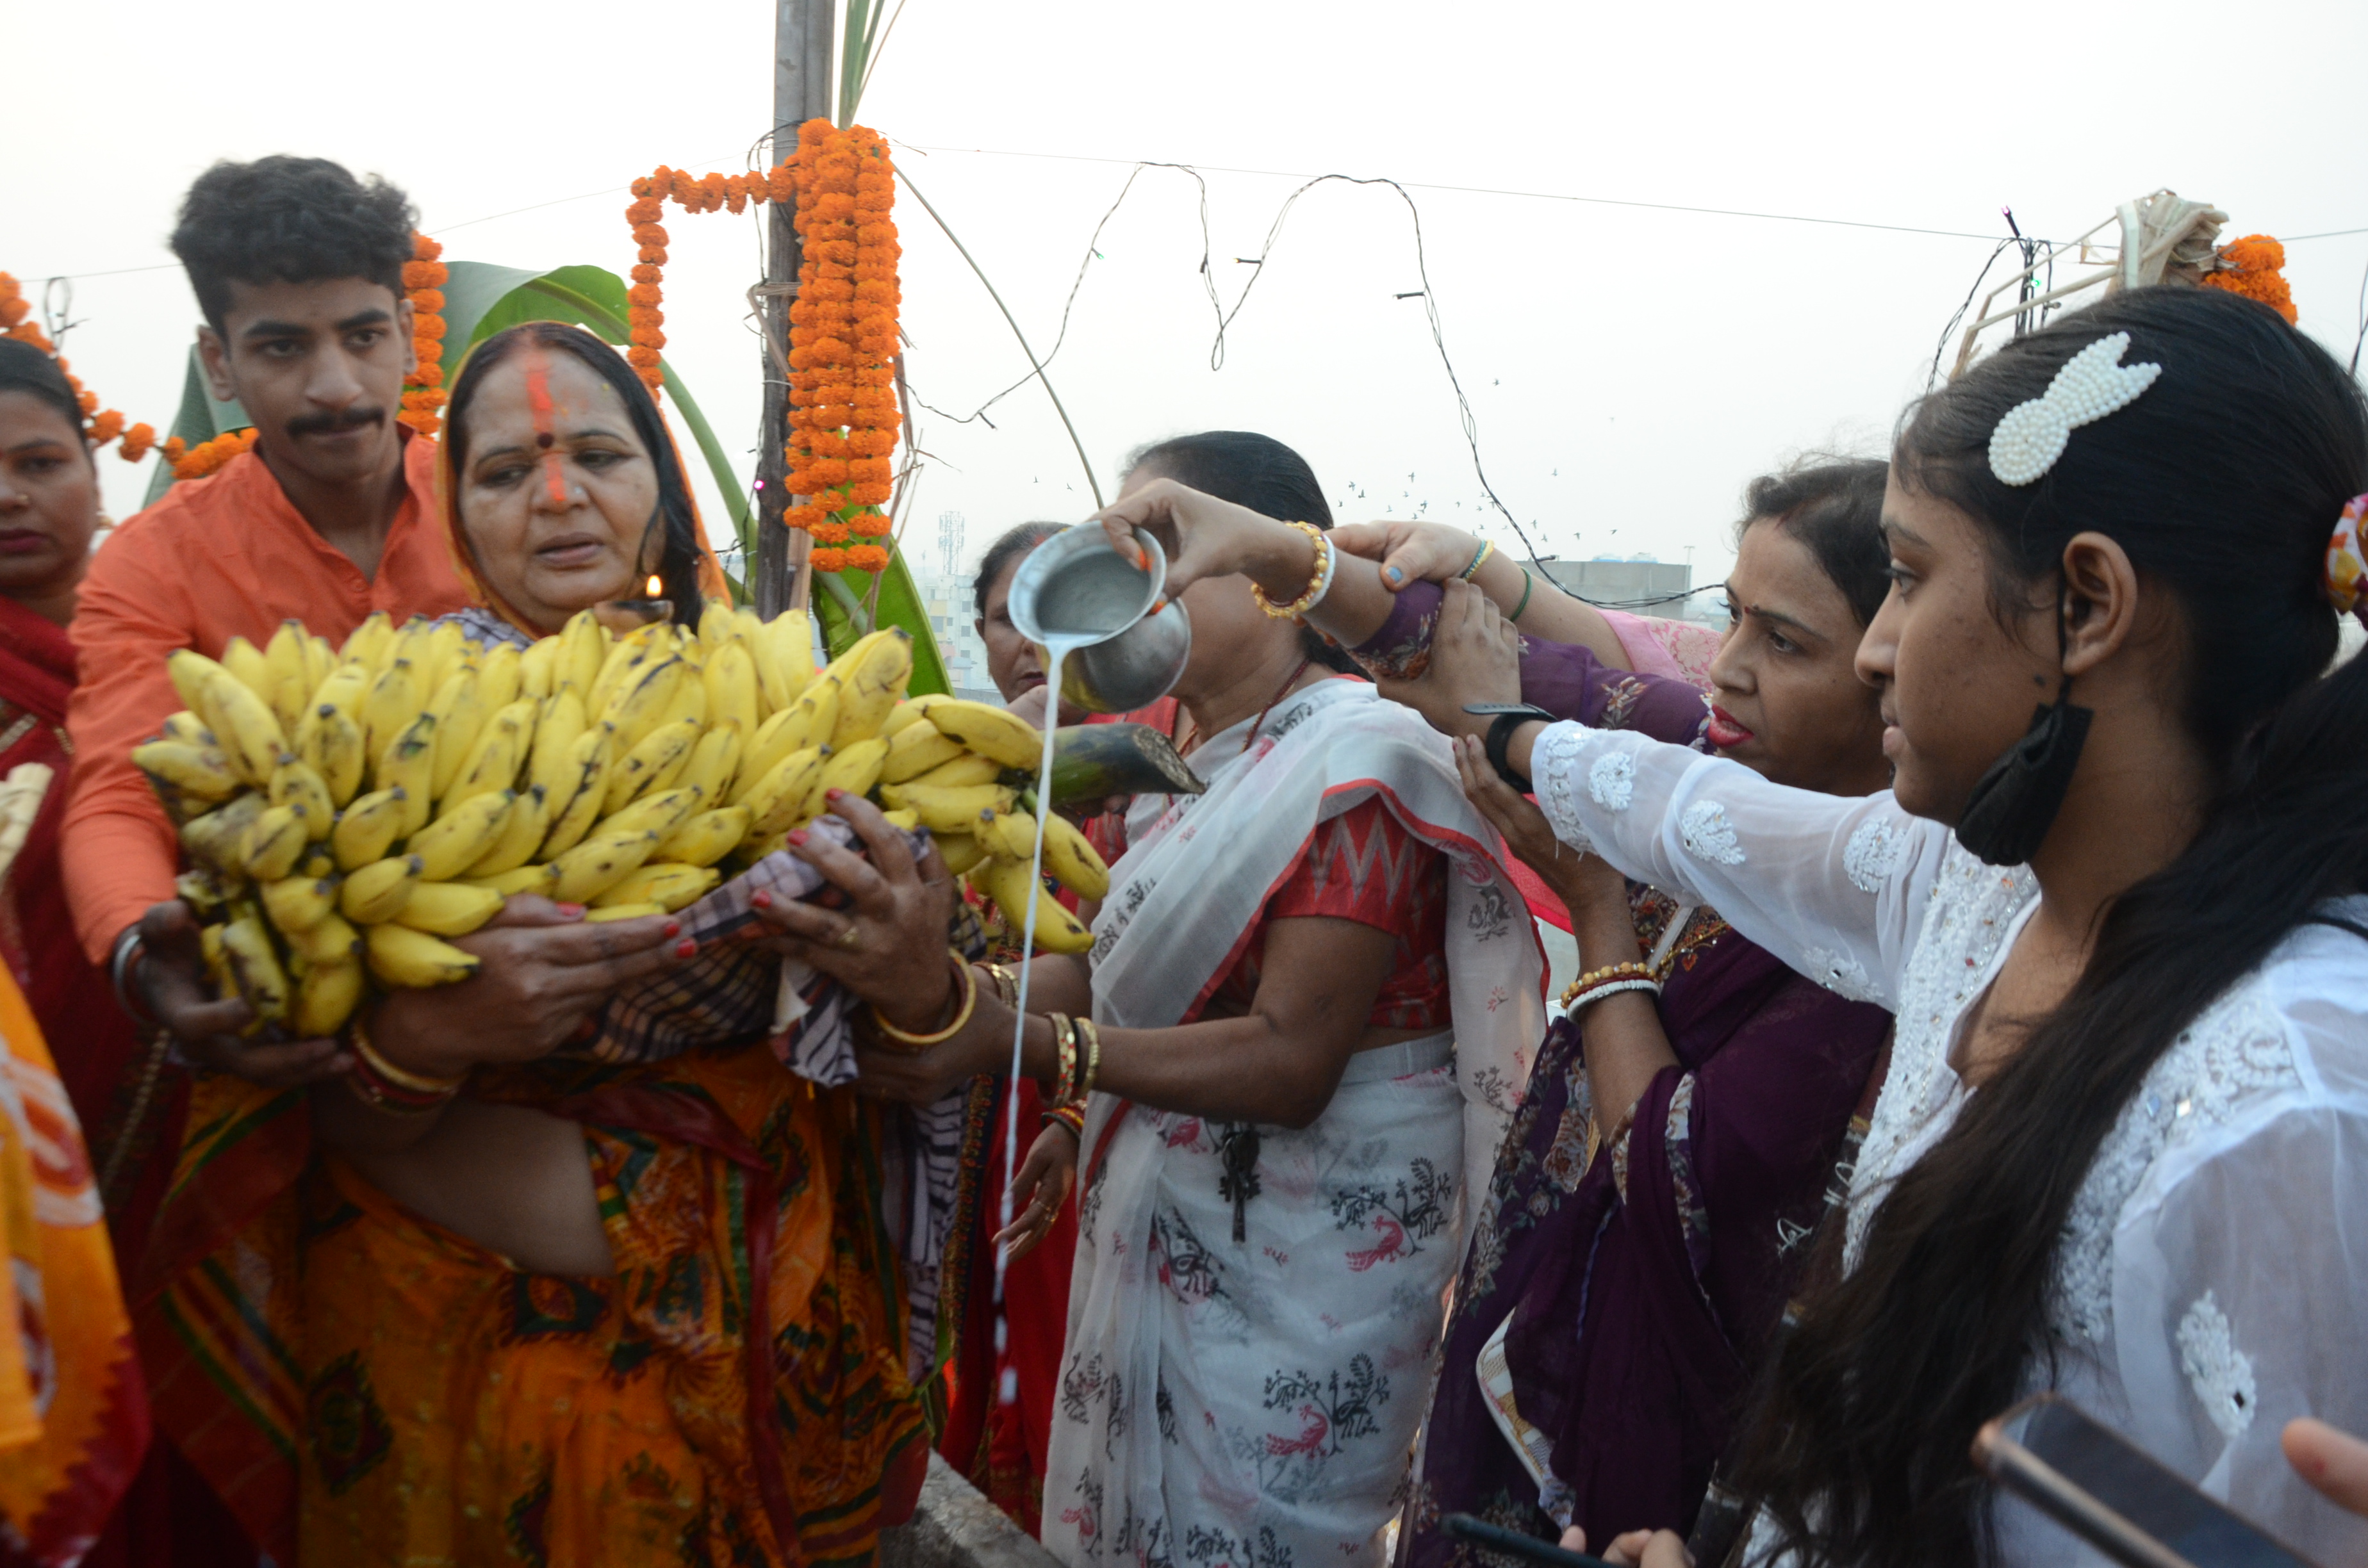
point(1307, 984)
point(590, 1306)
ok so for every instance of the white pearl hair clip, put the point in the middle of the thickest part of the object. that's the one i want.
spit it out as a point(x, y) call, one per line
point(2092, 384)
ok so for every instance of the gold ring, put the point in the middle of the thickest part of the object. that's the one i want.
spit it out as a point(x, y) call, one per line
point(848, 940)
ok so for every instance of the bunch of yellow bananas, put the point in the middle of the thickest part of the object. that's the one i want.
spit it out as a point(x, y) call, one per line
point(346, 810)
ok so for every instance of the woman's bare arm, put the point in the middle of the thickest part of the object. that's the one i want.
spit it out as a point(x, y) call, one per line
point(1434, 553)
point(1278, 1064)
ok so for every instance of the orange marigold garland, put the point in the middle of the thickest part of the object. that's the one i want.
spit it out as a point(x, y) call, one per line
point(207, 456)
point(843, 410)
point(424, 278)
point(2254, 266)
point(99, 425)
point(844, 416)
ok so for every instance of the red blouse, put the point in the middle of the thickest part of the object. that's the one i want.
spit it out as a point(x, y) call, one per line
point(1363, 866)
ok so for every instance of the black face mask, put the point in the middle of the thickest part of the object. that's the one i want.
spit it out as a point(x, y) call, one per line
point(2011, 810)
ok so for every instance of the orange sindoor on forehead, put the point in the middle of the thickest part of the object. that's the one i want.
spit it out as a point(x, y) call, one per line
point(538, 404)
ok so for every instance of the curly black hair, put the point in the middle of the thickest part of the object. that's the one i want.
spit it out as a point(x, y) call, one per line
point(291, 221)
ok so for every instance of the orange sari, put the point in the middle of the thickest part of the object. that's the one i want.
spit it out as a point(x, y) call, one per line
point(363, 1387)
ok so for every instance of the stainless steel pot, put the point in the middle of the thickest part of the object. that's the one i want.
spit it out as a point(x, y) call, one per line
point(1123, 653)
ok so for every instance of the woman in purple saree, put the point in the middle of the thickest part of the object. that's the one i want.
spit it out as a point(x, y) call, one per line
point(1647, 1219)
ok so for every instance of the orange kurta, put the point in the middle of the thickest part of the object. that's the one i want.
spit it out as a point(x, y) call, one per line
point(216, 558)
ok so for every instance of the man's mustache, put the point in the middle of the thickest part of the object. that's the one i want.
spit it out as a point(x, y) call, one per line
point(335, 424)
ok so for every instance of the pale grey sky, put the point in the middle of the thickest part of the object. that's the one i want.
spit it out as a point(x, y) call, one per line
point(1628, 369)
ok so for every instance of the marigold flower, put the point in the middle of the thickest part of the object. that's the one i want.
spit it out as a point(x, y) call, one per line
point(136, 443)
point(829, 560)
point(805, 515)
point(871, 525)
point(871, 494)
point(867, 558)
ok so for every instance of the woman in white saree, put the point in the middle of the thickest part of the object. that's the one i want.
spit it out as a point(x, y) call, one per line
point(1314, 988)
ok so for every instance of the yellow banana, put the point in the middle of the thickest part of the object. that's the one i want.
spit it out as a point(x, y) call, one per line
point(619, 661)
point(519, 880)
point(660, 812)
point(775, 691)
point(199, 771)
point(623, 912)
point(368, 641)
point(409, 764)
point(669, 887)
point(316, 862)
point(521, 836)
point(250, 737)
point(1072, 857)
point(442, 656)
point(1057, 930)
point(275, 841)
point(714, 760)
point(914, 748)
point(991, 731)
point(900, 718)
point(959, 851)
point(449, 909)
point(653, 764)
point(967, 768)
point(583, 648)
point(599, 864)
point(325, 997)
point(299, 903)
point(368, 828)
point(287, 670)
point(732, 693)
point(219, 837)
point(907, 819)
point(247, 945)
point(245, 661)
point(320, 663)
point(587, 790)
point(414, 960)
point(501, 677)
point(854, 767)
point(454, 842)
point(460, 712)
point(647, 699)
point(378, 892)
point(705, 838)
point(494, 764)
point(784, 796)
point(717, 624)
point(1011, 836)
point(871, 678)
point(792, 635)
point(549, 759)
point(188, 671)
point(189, 729)
point(203, 891)
point(776, 738)
point(393, 700)
point(329, 741)
point(535, 667)
point(296, 783)
point(947, 810)
point(333, 938)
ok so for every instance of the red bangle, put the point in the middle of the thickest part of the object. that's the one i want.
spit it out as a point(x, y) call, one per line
point(1072, 1116)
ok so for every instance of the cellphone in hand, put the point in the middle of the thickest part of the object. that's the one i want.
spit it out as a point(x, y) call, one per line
point(2095, 1482)
point(1513, 1543)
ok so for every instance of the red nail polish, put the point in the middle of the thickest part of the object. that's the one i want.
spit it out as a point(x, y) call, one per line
point(571, 910)
point(673, 927)
point(834, 794)
point(684, 947)
point(760, 900)
point(797, 835)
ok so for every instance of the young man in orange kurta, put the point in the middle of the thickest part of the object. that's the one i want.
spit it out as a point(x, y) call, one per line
point(298, 268)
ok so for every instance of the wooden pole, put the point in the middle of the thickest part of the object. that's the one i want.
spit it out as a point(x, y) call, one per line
point(801, 58)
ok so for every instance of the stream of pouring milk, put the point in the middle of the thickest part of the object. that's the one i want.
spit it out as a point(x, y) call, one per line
point(1058, 644)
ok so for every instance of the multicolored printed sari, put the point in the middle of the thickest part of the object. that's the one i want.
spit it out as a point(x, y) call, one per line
point(72, 1421)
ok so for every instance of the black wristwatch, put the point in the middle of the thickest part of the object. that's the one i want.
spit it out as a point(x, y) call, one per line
point(1509, 716)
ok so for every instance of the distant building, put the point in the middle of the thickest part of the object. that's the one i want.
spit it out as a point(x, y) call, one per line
point(947, 602)
point(1641, 585)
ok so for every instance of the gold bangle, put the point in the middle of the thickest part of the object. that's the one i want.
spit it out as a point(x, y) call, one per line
point(961, 1015)
point(1479, 558)
point(1007, 984)
point(417, 1082)
point(1093, 1059)
point(1064, 1045)
point(1319, 579)
point(1596, 977)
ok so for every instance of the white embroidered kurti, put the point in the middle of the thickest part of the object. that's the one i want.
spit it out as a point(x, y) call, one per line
point(2213, 1280)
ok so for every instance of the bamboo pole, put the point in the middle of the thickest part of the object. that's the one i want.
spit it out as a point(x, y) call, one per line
point(802, 79)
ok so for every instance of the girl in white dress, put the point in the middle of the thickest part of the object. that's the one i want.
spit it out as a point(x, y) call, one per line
point(2123, 1149)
